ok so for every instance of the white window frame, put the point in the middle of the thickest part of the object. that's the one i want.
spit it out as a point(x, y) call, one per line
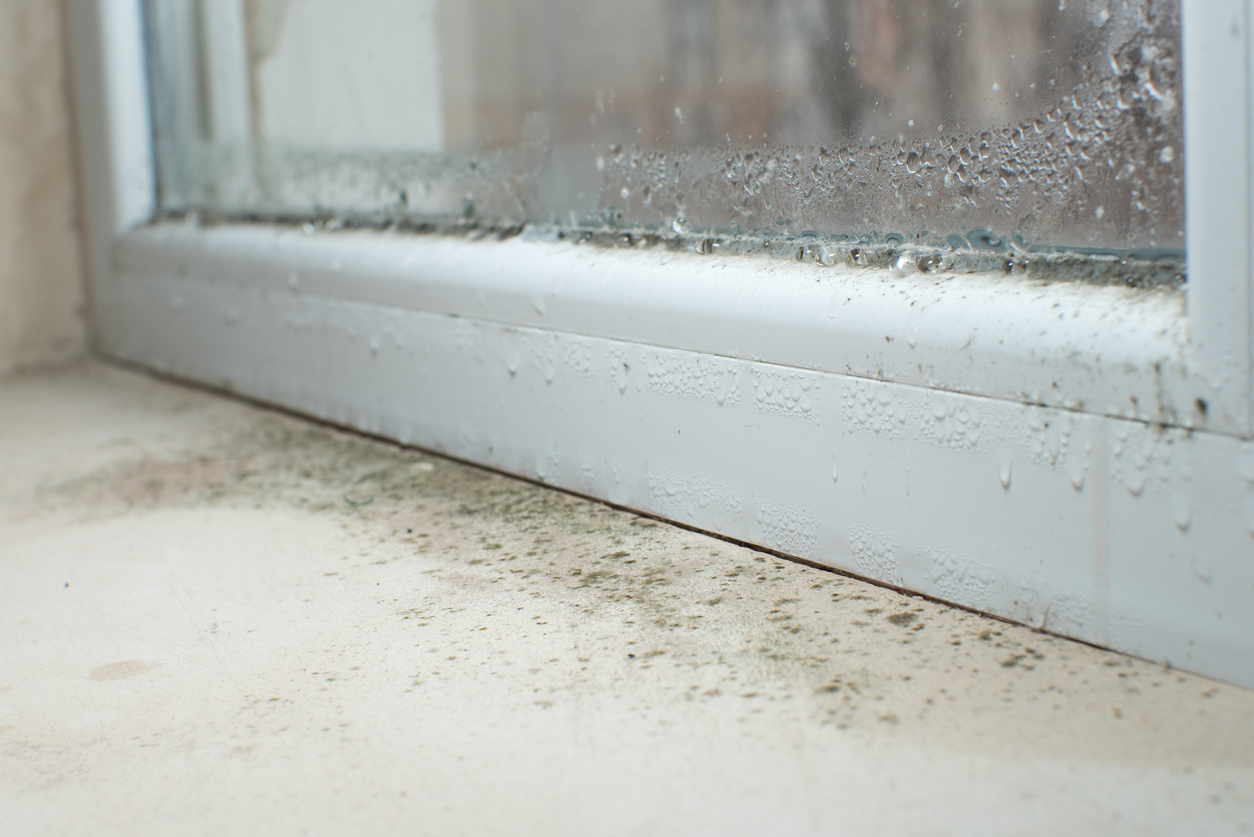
point(1069, 456)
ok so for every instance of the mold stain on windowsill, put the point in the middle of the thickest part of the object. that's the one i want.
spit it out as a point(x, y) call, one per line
point(574, 601)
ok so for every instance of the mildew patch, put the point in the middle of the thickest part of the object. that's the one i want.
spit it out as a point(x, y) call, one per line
point(574, 607)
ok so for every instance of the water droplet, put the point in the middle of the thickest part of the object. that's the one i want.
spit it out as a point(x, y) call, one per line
point(1005, 465)
point(1075, 472)
point(1181, 511)
point(537, 302)
point(1201, 568)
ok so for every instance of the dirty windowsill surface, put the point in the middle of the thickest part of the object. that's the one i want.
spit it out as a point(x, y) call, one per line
point(215, 616)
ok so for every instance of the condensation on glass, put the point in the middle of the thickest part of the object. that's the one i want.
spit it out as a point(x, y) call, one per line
point(997, 125)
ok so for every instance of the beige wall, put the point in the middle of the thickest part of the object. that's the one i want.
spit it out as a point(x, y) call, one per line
point(41, 266)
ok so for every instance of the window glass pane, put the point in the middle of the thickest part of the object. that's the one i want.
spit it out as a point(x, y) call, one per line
point(979, 126)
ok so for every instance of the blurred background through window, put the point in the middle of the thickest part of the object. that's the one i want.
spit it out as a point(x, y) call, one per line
point(996, 124)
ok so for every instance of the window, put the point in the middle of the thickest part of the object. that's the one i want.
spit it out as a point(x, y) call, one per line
point(980, 135)
point(894, 287)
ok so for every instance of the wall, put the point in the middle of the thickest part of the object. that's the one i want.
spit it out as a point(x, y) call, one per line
point(42, 295)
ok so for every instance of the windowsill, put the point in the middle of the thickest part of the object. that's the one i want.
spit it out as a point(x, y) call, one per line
point(195, 613)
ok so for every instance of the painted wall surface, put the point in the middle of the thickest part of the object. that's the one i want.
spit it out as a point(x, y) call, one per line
point(42, 293)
